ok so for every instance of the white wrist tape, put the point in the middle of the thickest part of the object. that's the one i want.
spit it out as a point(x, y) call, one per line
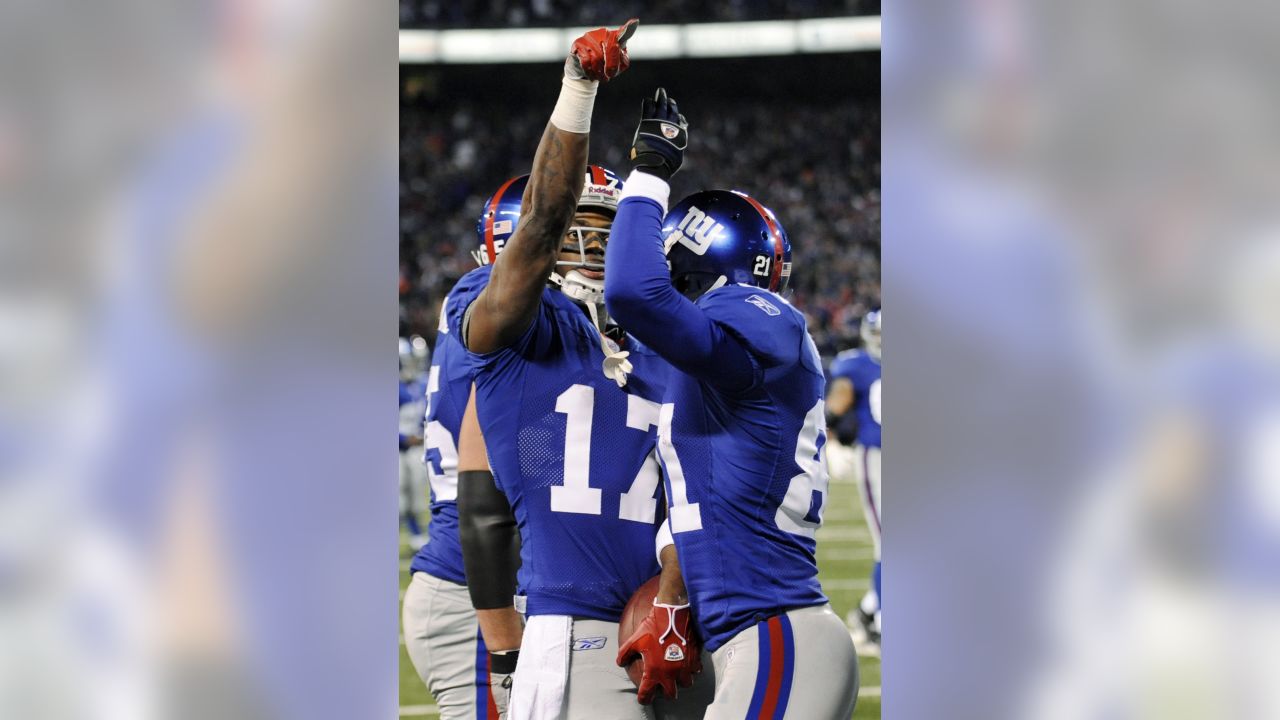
point(573, 109)
point(662, 539)
point(642, 184)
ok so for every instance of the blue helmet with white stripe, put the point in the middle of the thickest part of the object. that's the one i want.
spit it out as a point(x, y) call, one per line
point(716, 237)
point(498, 221)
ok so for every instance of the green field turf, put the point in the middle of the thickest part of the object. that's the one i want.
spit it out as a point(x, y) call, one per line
point(844, 565)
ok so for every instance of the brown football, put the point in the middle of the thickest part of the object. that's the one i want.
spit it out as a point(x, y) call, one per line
point(637, 609)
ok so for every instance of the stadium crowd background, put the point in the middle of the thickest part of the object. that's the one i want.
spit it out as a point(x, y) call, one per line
point(809, 150)
point(557, 13)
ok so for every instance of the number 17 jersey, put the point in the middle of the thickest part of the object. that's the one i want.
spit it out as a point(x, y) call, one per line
point(574, 454)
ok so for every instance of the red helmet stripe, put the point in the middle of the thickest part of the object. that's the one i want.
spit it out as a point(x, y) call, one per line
point(779, 249)
point(489, 252)
point(597, 175)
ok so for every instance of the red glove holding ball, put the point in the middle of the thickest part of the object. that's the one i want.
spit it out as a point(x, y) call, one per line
point(669, 654)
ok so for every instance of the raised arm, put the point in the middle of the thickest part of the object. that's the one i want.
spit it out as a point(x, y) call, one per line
point(506, 307)
point(637, 285)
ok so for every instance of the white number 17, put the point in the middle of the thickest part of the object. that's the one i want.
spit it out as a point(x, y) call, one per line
point(576, 495)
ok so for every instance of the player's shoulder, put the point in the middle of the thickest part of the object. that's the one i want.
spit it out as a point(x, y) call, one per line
point(473, 282)
point(765, 321)
point(466, 290)
point(751, 306)
point(849, 360)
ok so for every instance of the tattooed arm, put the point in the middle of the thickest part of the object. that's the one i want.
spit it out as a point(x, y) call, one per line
point(508, 303)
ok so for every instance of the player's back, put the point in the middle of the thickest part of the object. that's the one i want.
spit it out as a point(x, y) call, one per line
point(863, 371)
point(747, 479)
point(573, 452)
point(448, 389)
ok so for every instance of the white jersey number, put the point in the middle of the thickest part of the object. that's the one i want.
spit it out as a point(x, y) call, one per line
point(685, 516)
point(801, 509)
point(576, 495)
point(441, 452)
point(873, 400)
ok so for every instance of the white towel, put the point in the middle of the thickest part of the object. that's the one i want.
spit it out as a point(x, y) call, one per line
point(542, 673)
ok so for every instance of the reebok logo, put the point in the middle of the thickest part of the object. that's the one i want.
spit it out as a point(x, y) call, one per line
point(589, 643)
point(768, 307)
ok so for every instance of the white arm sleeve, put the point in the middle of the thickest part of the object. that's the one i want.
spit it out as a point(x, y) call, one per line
point(662, 539)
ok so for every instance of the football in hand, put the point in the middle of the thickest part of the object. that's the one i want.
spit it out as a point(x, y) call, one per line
point(637, 609)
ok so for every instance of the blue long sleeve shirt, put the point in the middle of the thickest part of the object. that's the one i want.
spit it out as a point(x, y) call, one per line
point(640, 297)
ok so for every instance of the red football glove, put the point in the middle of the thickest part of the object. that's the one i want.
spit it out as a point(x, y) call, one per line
point(665, 643)
point(601, 54)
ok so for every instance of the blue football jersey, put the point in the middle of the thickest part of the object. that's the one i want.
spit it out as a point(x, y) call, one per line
point(448, 388)
point(746, 474)
point(864, 372)
point(574, 454)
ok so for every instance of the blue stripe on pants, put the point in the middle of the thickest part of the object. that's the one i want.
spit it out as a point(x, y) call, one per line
point(482, 679)
point(788, 666)
point(762, 670)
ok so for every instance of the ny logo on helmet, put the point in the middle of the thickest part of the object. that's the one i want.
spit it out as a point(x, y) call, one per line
point(698, 231)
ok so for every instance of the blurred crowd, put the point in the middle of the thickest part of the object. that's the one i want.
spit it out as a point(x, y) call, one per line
point(560, 13)
point(815, 163)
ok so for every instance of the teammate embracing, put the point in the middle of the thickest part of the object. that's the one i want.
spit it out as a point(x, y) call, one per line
point(741, 430)
point(567, 405)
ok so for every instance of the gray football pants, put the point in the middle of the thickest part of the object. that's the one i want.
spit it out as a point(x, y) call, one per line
point(598, 689)
point(443, 640)
point(759, 674)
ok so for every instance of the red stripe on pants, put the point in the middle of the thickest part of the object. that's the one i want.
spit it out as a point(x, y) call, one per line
point(776, 653)
point(493, 706)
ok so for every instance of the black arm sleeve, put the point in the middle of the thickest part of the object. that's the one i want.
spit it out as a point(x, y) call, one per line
point(490, 540)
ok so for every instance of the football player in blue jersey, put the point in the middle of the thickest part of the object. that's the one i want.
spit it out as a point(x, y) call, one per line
point(741, 430)
point(413, 352)
point(567, 404)
point(441, 632)
point(853, 401)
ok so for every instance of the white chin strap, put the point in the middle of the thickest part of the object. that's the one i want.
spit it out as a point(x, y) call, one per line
point(584, 290)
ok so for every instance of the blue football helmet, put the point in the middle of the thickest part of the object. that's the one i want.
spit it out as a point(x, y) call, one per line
point(716, 237)
point(498, 221)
